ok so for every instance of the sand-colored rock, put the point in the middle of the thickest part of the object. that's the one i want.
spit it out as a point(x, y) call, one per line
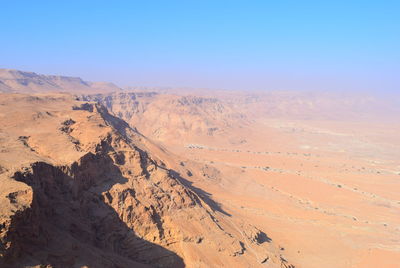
point(318, 171)
point(171, 117)
point(30, 82)
point(83, 188)
point(206, 179)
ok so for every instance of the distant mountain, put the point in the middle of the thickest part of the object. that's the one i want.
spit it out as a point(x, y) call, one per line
point(30, 82)
point(172, 117)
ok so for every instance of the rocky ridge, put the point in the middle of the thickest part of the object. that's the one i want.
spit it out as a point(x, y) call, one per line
point(30, 82)
point(163, 117)
point(113, 202)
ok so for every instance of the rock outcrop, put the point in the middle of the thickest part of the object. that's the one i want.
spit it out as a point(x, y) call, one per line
point(108, 200)
point(166, 117)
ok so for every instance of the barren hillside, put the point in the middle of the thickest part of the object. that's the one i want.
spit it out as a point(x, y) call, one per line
point(171, 117)
point(197, 179)
point(30, 82)
point(81, 187)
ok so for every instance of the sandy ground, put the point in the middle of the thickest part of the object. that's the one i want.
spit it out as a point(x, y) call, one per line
point(326, 190)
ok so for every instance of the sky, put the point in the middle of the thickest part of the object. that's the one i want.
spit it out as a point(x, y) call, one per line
point(255, 45)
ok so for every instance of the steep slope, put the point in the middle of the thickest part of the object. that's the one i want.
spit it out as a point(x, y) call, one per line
point(79, 187)
point(172, 117)
point(28, 82)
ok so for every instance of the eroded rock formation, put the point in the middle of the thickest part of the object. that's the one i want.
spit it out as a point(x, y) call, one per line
point(110, 200)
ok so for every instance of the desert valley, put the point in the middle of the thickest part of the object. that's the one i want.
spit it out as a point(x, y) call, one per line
point(93, 175)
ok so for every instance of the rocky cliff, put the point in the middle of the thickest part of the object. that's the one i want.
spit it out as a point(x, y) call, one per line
point(165, 117)
point(81, 188)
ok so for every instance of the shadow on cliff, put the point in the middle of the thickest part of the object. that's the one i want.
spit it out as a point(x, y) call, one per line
point(205, 196)
point(123, 128)
point(70, 224)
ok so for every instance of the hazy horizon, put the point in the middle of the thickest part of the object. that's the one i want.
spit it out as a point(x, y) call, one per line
point(262, 46)
point(200, 134)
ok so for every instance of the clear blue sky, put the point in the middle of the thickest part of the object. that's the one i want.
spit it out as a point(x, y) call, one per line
point(218, 44)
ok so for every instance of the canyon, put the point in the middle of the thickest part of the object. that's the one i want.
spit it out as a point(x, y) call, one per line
point(93, 175)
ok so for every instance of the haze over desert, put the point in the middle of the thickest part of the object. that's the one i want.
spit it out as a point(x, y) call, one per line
point(200, 134)
point(243, 179)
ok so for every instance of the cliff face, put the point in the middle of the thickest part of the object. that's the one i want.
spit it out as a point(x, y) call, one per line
point(165, 117)
point(107, 199)
point(78, 213)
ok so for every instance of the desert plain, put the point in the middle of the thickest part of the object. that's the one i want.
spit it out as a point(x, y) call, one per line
point(196, 178)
